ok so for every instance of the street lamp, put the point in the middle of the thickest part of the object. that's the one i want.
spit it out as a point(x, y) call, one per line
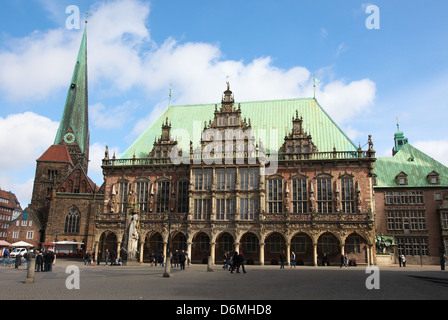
point(166, 274)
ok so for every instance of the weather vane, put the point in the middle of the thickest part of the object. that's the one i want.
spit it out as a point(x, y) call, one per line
point(87, 16)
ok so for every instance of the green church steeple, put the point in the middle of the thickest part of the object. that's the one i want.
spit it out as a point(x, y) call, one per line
point(399, 139)
point(74, 126)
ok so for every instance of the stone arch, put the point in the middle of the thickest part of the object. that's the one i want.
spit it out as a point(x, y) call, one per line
point(302, 245)
point(355, 247)
point(108, 240)
point(200, 250)
point(250, 246)
point(224, 242)
point(275, 244)
point(153, 244)
point(328, 248)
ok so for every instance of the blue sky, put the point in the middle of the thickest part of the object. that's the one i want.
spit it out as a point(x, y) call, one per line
point(267, 49)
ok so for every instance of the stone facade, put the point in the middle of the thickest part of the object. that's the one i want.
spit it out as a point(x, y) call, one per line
point(216, 200)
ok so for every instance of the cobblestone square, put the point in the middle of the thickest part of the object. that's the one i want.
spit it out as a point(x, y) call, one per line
point(262, 283)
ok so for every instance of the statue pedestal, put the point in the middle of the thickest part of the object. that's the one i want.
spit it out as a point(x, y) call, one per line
point(384, 259)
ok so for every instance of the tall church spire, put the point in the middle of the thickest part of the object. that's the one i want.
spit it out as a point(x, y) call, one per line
point(74, 126)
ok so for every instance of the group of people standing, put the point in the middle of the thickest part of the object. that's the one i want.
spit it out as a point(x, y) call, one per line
point(234, 262)
point(178, 259)
point(44, 260)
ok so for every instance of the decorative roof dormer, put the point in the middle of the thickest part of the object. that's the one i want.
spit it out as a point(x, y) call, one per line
point(162, 147)
point(298, 143)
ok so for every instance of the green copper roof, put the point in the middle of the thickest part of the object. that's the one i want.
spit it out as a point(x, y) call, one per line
point(75, 116)
point(414, 163)
point(263, 115)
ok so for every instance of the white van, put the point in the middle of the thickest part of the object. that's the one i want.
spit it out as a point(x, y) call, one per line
point(16, 251)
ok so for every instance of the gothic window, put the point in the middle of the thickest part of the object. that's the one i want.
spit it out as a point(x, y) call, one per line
point(299, 196)
point(275, 196)
point(142, 195)
point(324, 196)
point(182, 196)
point(225, 179)
point(122, 196)
point(275, 243)
point(202, 208)
point(298, 244)
point(249, 178)
point(163, 196)
point(225, 209)
point(347, 196)
point(248, 208)
point(353, 244)
point(72, 221)
point(202, 179)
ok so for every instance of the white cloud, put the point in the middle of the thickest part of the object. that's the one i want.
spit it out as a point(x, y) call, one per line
point(344, 101)
point(24, 137)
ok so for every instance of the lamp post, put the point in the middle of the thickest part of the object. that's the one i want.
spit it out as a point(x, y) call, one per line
point(166, 274)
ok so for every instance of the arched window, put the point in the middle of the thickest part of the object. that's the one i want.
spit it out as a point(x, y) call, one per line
point(72, 221)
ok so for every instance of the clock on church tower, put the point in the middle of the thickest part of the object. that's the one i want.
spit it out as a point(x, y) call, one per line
point(69, 138)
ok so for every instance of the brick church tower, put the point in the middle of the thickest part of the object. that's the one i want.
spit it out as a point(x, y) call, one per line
point(64, 197)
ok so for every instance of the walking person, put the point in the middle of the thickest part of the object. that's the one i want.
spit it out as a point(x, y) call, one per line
point(343, 261)
point(282, 260)
point(403, 260)
point(234, 262)
point(293, 260)
point(107, 256)
point(399, 260)
point(241, 263)
point(182, 260)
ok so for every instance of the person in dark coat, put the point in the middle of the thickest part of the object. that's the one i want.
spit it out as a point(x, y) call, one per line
point(241, 263)
point(282, 260)
point(39, 262)
point(235, 262)
point(182, 259)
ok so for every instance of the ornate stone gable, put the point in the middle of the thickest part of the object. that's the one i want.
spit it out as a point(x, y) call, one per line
point(163, 146)
point(298, 144)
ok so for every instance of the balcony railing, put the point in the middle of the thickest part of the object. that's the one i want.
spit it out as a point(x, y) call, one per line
point(194, 158)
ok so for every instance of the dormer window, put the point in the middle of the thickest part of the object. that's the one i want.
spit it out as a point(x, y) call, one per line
point(433, 178)
point(402, 179)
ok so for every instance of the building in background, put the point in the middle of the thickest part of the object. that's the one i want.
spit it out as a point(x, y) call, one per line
point(10, 209)
point(411, 191)
point(25, 227)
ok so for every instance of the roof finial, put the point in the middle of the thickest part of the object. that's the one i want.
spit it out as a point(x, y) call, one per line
point(315, 80)
point(398, 125)
point(87, 16)
point(171, 92)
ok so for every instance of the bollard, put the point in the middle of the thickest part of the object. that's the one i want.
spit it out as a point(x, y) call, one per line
point(209, 264)
point(166, 274)
point(31, 269)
